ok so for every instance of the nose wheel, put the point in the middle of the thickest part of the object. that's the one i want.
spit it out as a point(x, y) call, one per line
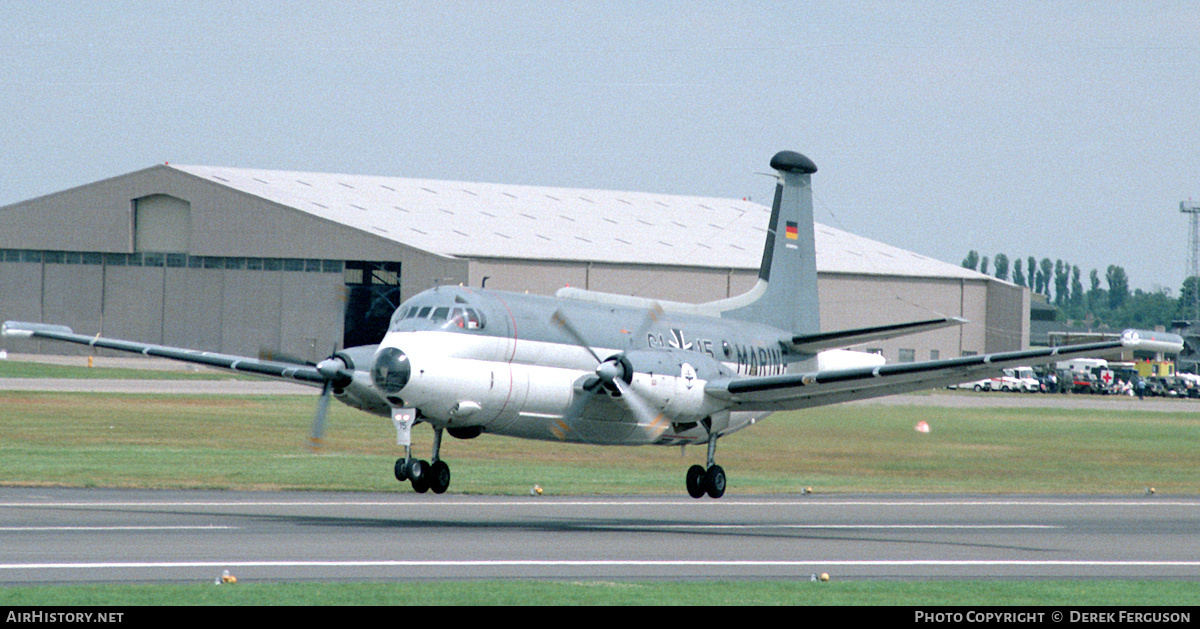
point(423, 475)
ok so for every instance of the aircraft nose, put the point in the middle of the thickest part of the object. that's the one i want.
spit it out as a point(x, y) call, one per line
point(391, 370)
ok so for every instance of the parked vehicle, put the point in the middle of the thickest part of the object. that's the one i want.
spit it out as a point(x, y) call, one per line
point(1156, 387)
point(1085, 382)
point(978, 385)
point(1023, 379)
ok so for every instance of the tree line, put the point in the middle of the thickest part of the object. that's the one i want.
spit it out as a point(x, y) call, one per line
point(1106, 302)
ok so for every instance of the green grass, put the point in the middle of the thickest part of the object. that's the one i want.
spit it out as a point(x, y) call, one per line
point(1072, 593)
point(259, 442)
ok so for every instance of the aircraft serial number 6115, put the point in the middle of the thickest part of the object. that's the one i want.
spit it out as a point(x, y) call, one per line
point(589, 367)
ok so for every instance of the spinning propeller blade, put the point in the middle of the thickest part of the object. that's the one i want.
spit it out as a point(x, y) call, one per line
point(614, 374)
point(317, 432)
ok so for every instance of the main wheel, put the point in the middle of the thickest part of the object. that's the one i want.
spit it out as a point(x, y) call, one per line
point(695, 481)
point(418, 473)
point(439, 477)
point(714, 481)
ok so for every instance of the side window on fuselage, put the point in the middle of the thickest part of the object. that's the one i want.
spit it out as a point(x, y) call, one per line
point(466, 319)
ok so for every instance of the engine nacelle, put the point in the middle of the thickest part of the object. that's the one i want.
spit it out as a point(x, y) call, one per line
point(673, 380)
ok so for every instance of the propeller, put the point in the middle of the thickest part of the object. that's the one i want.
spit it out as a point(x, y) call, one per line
point(614, 374)
point(334, 372)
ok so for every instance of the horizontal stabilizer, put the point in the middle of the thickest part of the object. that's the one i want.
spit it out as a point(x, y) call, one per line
point(813, 343)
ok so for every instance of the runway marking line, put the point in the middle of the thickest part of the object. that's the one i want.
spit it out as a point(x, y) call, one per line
point(214, 527)
point(610, 503)
point(852, 526)
point(589, 563)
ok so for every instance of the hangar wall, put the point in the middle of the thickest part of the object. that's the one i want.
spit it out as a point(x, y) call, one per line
point(684, 284)
point(212, 308)
point(255, 274)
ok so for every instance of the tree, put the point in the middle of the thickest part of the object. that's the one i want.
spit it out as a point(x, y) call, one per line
point(1097, 298)
point(1146, 310)
point(1031, 269)
point(1062, 278)
point(983, 265)
point(1018, 277)
point(1001, 264)
point(1078, 306)
point(1118, 286)
point(972, 260)
point(1189, 299)
point(1044, 277)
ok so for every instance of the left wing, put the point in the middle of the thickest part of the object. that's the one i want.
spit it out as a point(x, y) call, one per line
point(806, 390)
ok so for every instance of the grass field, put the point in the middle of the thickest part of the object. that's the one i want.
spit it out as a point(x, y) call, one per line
point(249, 442)
point(258, 442)
point(699, 594)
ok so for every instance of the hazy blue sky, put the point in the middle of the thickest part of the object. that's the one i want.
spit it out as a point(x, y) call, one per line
point(1055, 129)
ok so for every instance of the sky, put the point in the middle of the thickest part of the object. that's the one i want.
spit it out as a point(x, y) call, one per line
point(1059, 129)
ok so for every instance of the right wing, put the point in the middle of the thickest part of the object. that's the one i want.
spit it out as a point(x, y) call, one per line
point(303, 374)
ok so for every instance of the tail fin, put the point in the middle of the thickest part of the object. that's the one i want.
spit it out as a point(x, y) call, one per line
point(785, 295)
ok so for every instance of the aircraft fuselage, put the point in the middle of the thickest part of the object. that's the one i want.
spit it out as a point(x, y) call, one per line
point(492, 360)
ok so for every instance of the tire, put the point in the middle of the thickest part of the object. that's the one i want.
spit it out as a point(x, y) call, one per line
point(439, 477)
point(695, 481)
point(401, 470)
point(714, 481)
point(418, 473)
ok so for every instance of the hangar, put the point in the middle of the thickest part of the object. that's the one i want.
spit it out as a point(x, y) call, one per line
point(236, 260)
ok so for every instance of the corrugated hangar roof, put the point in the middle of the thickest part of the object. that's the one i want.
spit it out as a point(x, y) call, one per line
point(486, 220)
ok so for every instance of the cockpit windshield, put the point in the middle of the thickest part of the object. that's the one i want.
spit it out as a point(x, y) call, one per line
point(444, 317)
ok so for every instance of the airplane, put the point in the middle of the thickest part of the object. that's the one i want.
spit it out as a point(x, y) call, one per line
point(596, 368)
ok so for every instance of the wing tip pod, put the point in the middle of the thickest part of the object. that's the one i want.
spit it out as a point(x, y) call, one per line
point(1152, 341)
point(25, 329)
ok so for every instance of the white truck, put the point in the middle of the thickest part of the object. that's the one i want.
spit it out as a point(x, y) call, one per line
point(1022, 379)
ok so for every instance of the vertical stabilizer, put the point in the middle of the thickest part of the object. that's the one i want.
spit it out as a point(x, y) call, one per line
point(785, 295)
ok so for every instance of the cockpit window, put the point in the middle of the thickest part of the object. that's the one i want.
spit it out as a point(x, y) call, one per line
point(465, 318)
point(445, 317)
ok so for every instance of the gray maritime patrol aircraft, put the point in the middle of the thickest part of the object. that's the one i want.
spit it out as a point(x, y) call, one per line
point(589, 367)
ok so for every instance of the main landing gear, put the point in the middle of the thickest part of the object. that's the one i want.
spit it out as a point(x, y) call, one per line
point(425, 476)
point(710, 480)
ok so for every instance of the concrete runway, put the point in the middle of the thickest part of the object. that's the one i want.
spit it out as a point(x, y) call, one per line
point(104, 535)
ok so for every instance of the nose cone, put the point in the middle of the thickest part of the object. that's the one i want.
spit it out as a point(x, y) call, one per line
point(391, 370)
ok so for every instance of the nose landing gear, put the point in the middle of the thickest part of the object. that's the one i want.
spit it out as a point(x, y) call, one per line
point(423, 475)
